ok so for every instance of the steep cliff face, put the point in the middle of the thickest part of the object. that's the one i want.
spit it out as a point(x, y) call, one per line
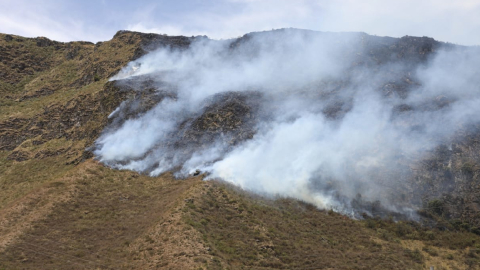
point(59, 205)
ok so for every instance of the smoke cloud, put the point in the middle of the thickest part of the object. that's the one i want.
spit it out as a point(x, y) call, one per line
point(321, 117)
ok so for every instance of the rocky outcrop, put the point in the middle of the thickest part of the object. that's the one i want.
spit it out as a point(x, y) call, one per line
point(83, 116)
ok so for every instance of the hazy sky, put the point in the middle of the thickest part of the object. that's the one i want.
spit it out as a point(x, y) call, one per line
point(96, 20)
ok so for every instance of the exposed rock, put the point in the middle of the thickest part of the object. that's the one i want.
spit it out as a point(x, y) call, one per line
point(18, 156)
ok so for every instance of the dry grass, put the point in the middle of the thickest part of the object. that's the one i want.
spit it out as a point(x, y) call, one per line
point(443, 249)
point(254, 233)
point(19, 178)
point(64, 71)
point(106, 211)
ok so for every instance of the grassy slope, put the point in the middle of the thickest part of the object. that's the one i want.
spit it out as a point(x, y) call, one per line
point(101, 212)
point(249, 232)
point(61, 211)
point(35, 119)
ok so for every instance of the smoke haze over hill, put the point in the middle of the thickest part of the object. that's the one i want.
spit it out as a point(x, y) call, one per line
point(319, 117)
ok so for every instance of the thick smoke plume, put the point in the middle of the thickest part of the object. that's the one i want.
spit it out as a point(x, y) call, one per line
point(331, 119)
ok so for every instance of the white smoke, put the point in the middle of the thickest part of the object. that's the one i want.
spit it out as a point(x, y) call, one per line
point(298, 150)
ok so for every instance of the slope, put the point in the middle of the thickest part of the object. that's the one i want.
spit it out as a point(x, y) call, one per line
point(61, 209)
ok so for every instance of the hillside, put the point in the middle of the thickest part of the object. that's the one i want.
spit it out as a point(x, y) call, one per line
point(60, 208)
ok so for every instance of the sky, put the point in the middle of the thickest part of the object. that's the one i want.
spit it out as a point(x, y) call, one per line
point(98, 20)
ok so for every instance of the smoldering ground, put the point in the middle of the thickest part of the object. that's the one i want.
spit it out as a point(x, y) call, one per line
point(334, 119)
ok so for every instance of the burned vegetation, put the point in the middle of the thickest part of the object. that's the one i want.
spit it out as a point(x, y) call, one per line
point(227, 119)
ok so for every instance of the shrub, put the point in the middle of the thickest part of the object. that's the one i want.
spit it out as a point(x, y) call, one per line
point(430, 251)
point(468, 168)
point(402, 229)
point(436, 206)
point(415, 255)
